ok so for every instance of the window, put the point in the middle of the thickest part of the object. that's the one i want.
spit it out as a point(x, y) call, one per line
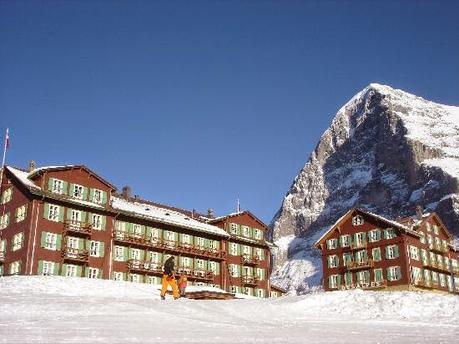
point(260, 293)
point(186, 239)
point(187, 262)
point(390, 233)
point(4, 220)
point(414, 252)
point(233, 228)
point(257, 234)
point(135, 253)
point(21, 213)
point(234, 270)
point(334, 281)
point(15, 267)
point(7, 195)
point(73, 243)
point(96, 221)
point(213, 267)
point(374, 235)
point(93, 273)
point(137, 230)
point(119, 253)
point(378, 275)
point(332, 244)
point(75, 216)
point(57, 186)
point(360, 239)
point(246, 231)
point(134, 278)
point(213, 244)
point(259, 253)
point(50, 241)
point(169, 236)
point(361, 256)
point(376, 254)
point(347, 258)
point(97, 196)
point(416, 274)
point(17, 241)
point(71, 270)
point(394, 273)
point(47, 268)
point(94, 250)
point(246, 250)
point(199, 264)
point(434, 277)
point(260, 273)
point(363, 277)
point(201, 242)
point(154, 257)
point(118, 276)
point(348, 279)
point(357, 220)
point(234, 289)
point(345, 240)
point(428, 227)
point(392, 252)
point(333, 261)
point(77, 191)
point(436, 230)
point(2, 248)
point(53, 212)
point(233, 248)
point(422, 238)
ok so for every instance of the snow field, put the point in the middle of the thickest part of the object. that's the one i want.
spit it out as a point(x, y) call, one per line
point(79, 310)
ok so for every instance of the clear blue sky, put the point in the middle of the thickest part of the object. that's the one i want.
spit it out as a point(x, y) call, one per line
point(195, 104)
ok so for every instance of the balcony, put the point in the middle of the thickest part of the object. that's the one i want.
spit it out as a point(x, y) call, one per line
point(356, 265)
point(250, 260)
point(357, 245)
point(455, 270)
point(423, 283)
point(78, 227)
point(250, 280)
point(168, 246)
point(145, 267)
point(75, 255)
point(438, 248)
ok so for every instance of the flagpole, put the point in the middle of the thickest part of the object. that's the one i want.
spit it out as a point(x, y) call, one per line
point(5, 142)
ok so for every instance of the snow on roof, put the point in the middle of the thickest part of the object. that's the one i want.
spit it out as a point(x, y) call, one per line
point(48, 168)
point(166, 216)
point(23, 177)
point(218, 218)
point(333, 226)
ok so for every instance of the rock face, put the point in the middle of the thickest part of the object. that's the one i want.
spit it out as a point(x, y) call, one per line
point(386, 151)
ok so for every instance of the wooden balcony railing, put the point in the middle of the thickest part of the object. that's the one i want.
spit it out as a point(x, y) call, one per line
point(169, 245)
point(357, 245)
point(250, 260)
point(250, 280)
point(74, 254)
point(358, 265)
point(438, 248)
point(155, 268)
point(78, 227)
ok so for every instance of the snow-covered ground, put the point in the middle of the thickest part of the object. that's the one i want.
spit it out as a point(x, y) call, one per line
point(79, 310)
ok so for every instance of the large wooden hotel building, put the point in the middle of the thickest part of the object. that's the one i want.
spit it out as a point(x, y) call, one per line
point(368, 251)
point(68, 221)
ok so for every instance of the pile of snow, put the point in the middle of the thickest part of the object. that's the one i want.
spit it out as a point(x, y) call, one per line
point(79, 310)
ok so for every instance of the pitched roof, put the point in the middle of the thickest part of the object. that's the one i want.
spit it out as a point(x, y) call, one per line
point(224, 217)
point(164, 215)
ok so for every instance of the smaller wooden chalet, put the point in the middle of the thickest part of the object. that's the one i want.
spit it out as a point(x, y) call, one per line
point(367, 251)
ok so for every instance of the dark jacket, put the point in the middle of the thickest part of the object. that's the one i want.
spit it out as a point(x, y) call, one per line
point(169, 266)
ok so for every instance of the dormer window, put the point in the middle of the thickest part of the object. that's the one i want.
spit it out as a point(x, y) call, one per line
point(357, 220)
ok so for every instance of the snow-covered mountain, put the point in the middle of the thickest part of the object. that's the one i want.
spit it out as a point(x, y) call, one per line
point(385, 151)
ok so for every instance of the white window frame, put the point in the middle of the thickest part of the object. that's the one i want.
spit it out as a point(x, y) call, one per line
point(94, 250)
point(333, 261)
point(135, 253)
point(393, 273)
point(119, 253)
point(333, 281)
point(21, 213)
point(137, 230)
point(135, 278)
point(234, 270)
point(48, 268)
point(200, 264)
point(71, 270)
point(118, 276)
point(373, 235)
point(233, 248)
point(97, 196)
point(7, 195)
point(212, 267)
point(58, 186)
point(391, 252)
point(78, 191)
point(17, 241)
point(73, 243)
point(96, 221)
point(50, 241)
point(332, 244)
point(233, 228)
point(4, 220)
point(93, 273)
point(357, 220)
point(246, 231)
point(414, 252)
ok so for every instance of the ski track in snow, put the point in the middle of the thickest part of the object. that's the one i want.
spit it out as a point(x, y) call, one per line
point(79, 310)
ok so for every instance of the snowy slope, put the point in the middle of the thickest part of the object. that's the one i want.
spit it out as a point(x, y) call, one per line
point(79, 310)
point(385, 151)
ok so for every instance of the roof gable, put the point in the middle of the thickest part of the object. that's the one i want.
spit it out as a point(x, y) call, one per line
point(442, 226)
point(238, 214)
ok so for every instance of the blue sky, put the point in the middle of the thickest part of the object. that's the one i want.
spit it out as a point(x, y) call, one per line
point(195, 104)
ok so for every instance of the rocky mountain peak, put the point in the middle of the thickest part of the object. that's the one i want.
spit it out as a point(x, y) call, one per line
point(386, 151)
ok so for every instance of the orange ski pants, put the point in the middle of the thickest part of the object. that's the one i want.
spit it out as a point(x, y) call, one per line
point(169, 281)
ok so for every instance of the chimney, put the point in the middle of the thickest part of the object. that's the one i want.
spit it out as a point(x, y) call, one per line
point(126, 192)
point(419, 211)
point(210, 213)
point(32, 166)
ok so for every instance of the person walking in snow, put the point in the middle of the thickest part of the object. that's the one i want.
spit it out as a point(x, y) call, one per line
point(182, 285)
point(169, 278)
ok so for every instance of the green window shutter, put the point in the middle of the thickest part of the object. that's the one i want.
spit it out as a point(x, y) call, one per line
point(85, 193)
point(79, 271)
point(64, 270)
point(328, 261)
point(64, 187)
point(389, 274)
point(100, 273)
point(218, 268)
point(387, 252)
point(87, 244)
point(50, 184)
point(148, 232)
point(56, 269)
point(43, 239)
point(175, 236)
point(378, 234)
point(61, 214)
point(238, 249)
point(129, 227)
point(46, 211)
point(40, 267)
point(206, 243)
point(364, 255)
point(58, 241)
point(396, 250)
point(399, 272)
point(72, 189)
point(142, 255)
point(103, 221)
point(142, 229)
point(101, 249)
point(126, 254)
point(81, 244)
point(338, 280)
point(69, 214)
point(378, 275)
point(84, 216)
point(91, 195)
point(104, 197)
point(239, 270)
point(377, 254)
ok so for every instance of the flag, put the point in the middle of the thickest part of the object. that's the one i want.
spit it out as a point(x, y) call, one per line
point(7, 138)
